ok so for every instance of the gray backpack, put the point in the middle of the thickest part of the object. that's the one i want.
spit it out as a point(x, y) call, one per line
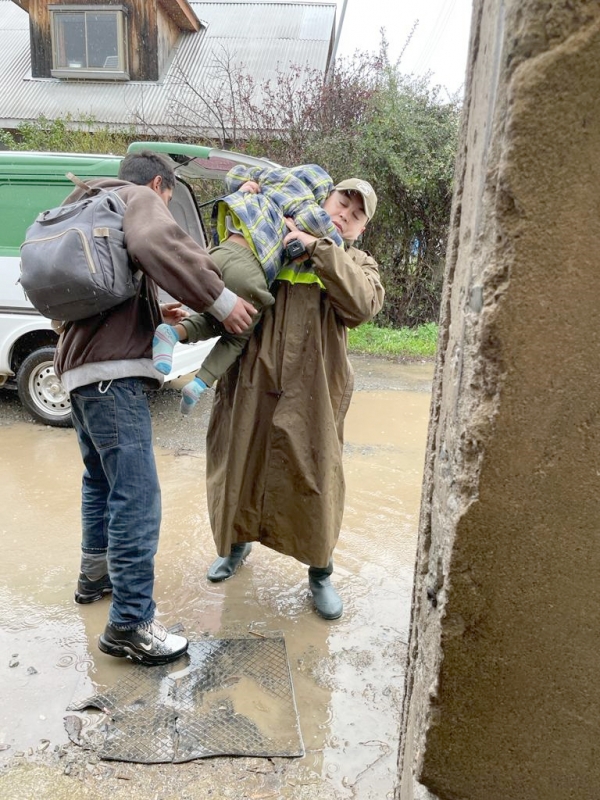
point(74, 263)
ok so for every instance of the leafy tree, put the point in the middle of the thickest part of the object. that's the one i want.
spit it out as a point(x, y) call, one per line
point(408, 148)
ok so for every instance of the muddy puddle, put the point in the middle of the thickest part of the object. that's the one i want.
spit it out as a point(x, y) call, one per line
point(347, 675)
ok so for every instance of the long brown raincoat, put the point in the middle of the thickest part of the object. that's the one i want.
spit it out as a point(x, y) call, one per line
point(275, 437)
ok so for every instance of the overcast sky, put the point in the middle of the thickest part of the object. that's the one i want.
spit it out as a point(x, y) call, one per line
point(439, 44)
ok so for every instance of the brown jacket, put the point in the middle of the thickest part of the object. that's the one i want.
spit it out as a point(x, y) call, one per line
point(275, 437)
point(118, 343)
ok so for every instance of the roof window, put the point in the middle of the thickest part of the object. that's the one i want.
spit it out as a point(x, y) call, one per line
point(89, 42)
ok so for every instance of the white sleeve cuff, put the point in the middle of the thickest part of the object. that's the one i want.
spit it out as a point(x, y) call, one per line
point(223, 305)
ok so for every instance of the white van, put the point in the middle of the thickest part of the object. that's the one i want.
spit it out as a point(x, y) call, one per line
point(31, 182)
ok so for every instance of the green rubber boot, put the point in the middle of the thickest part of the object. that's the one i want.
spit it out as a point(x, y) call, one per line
point(328, 603)
point(224, 568)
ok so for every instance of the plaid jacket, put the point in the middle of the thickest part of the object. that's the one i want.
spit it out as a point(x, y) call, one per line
point(297, 192)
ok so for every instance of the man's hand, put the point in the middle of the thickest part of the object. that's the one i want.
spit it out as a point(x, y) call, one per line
point(172, 313)
point(295, 233)
point(298, 235)
point(240, 318)
point(250, 186)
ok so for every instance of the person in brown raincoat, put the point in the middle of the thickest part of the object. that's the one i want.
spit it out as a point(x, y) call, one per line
point(275, 436)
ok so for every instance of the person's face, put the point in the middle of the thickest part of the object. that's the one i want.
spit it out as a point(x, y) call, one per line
point(347, 214)
point(166, 195)
point(156, 184)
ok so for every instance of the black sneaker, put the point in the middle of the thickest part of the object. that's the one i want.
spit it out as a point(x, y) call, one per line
point(149, 644)
point(89, 591)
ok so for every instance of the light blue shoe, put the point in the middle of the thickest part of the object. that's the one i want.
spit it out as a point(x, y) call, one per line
point(163, 343)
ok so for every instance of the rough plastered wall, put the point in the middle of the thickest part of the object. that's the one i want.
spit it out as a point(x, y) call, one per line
point(503, 689)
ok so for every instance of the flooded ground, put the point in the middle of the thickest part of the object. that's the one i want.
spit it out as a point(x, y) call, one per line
point(347, 675)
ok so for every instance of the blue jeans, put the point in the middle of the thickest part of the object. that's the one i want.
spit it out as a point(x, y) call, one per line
point(121, 508)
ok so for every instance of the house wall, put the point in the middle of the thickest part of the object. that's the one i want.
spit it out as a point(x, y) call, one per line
point(40, 37)
point(143, 40)
point(502, 697)
point(290, 33)
point(142, 26)
point(168, 33)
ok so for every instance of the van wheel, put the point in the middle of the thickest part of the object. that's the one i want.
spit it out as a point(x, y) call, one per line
point(40, 390)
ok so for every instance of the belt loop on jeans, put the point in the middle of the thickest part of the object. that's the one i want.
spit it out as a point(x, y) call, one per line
point(106, 388)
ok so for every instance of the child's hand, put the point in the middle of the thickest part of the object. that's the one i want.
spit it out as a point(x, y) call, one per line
point(172, 313)
point(250, 186)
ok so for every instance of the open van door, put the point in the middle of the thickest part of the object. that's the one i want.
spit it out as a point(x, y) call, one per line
point(193, 162)
point(196, 162)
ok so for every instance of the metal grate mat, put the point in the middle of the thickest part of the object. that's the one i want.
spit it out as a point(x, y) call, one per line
point(225, 697)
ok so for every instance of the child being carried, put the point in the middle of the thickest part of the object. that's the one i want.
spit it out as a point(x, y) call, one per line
point(251, 225)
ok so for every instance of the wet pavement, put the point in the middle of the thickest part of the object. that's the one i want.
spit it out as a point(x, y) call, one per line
point(347, 675)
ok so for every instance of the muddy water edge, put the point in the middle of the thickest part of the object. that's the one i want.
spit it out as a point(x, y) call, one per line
point(348, 675)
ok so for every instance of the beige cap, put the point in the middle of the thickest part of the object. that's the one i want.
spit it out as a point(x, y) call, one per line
point(366, 191)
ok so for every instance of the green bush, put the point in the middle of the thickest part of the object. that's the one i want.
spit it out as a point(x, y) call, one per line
point(69, 136)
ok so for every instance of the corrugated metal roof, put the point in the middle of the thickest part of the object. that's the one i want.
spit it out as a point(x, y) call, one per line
point(262, 38)
point(260, 21)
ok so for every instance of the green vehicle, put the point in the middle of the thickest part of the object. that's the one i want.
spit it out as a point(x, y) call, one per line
point(31, 182)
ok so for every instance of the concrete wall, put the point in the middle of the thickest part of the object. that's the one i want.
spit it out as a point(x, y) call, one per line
point(503, 689)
